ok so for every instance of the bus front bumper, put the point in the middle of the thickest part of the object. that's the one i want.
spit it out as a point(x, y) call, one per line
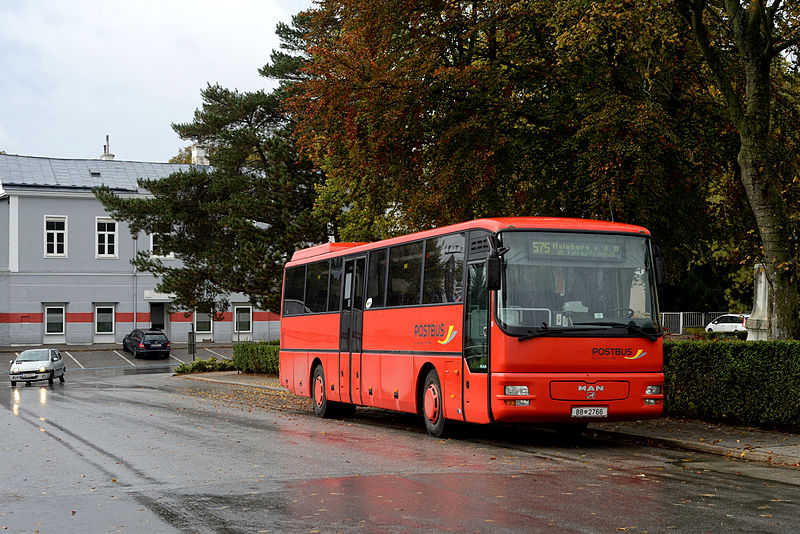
point(576, 397)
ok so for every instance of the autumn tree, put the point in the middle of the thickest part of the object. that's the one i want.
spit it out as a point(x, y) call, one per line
point(743, 42)
point(428, 113)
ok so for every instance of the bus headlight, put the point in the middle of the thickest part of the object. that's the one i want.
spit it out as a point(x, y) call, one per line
point(516, 390)
point(652, 390)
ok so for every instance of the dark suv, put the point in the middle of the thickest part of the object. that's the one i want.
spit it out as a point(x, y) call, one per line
point(147, 342)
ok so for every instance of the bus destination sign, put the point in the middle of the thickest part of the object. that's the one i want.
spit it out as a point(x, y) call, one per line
point(579, 250)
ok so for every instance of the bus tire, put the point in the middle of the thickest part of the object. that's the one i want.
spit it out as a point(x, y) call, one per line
point(322, 406)
point(432, 411)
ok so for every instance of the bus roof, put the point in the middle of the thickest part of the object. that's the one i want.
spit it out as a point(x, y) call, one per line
point(491, 224)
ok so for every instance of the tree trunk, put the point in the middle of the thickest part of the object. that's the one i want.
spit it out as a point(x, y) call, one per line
point(776, 237)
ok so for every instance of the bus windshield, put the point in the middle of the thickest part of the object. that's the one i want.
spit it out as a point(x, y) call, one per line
point(567, 283)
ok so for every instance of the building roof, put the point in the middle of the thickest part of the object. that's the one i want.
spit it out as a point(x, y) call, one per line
point(29, 172)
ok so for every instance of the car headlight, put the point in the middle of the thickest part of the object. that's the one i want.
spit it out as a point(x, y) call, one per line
point(14, 370)
point(42, 369)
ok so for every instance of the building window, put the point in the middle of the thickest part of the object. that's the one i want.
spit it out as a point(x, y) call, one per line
point(54, 320)
point(106, 238)
point(104, 320)
point(157, 249)
point(241, 319)
point(202, 323)
point(55, 237)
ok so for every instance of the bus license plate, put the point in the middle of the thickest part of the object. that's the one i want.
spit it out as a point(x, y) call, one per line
point(593, 411)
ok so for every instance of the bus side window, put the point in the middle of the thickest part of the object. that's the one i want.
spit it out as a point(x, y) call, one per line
point(293, 297)
point(376, 279)
point(317, 287)
point(444, 265)
point(335, 292)
point(405, 273)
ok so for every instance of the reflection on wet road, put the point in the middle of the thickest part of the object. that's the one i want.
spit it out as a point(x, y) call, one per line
point(151, 452)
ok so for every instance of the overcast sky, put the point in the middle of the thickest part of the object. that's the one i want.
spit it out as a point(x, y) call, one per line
point(72, 72)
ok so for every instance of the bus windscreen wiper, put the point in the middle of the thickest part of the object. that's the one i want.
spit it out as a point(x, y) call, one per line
point(631, 326)
point(544, 330)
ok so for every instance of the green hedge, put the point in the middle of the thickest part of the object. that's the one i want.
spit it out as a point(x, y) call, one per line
point(205, 366)
point(256, 357)
point(751, 383)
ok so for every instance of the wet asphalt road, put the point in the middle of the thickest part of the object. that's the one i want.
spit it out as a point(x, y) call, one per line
point(137, 450)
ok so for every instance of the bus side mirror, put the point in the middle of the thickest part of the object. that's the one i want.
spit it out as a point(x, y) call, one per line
point(493, 269)
point(658, 263)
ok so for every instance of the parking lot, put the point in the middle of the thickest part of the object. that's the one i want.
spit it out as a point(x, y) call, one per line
point(99, 357)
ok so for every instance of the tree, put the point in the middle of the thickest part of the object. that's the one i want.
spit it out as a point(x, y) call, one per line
point(429, 113)
point(233, 225)
point(742, 43)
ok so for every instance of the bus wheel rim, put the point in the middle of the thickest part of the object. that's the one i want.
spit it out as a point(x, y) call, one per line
point(319, 388)
point(432, 403)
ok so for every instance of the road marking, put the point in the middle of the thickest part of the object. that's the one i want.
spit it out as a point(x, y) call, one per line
point(217, 353)
point(74, 360)
point(174, 358)
point(123, 357)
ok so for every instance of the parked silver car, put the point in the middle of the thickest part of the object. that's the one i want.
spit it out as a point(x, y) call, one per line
point(37, 364)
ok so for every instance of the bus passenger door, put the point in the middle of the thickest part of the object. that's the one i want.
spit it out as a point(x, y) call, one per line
point(350, 331)
point(476, 345)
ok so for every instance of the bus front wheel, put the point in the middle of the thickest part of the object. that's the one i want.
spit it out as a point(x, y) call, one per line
point(322, 407)
point(432, 411)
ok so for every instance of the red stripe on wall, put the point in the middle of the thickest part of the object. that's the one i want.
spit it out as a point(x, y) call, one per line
point(7, 318)
point(80, 317)
point(266, 316)
point(180, 317)
point(226, 317)
point(127, 317)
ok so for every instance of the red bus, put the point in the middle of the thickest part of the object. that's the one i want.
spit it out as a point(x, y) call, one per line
point(539, 320)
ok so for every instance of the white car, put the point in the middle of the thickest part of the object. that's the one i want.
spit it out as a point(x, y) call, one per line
point(730, 322)
point(37, 364)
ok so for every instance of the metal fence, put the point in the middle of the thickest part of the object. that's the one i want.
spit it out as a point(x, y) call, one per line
point(676, 323)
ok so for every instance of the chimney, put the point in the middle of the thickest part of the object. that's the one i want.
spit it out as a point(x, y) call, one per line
point(199, 155)
point(107, 155)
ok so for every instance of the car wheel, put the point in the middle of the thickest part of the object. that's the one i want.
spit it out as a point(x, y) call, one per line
point(51, 377)
point(63, 375)
point(432, 411)
point(27, 384)
point(135, 353)
point(13, 383)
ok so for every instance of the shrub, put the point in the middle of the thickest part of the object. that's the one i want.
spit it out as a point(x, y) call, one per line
point(205, 366)
point(752, 383)
point(256, 357)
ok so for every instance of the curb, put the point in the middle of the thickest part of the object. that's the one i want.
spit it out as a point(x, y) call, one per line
point(231, 382)
point(777, 460)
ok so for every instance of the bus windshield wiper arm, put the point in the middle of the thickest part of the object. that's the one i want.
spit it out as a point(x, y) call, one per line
point(631, 326)
point(545, 331)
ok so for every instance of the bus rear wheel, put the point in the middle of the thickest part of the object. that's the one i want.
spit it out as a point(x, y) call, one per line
point(322, 406)
point(432, 411)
